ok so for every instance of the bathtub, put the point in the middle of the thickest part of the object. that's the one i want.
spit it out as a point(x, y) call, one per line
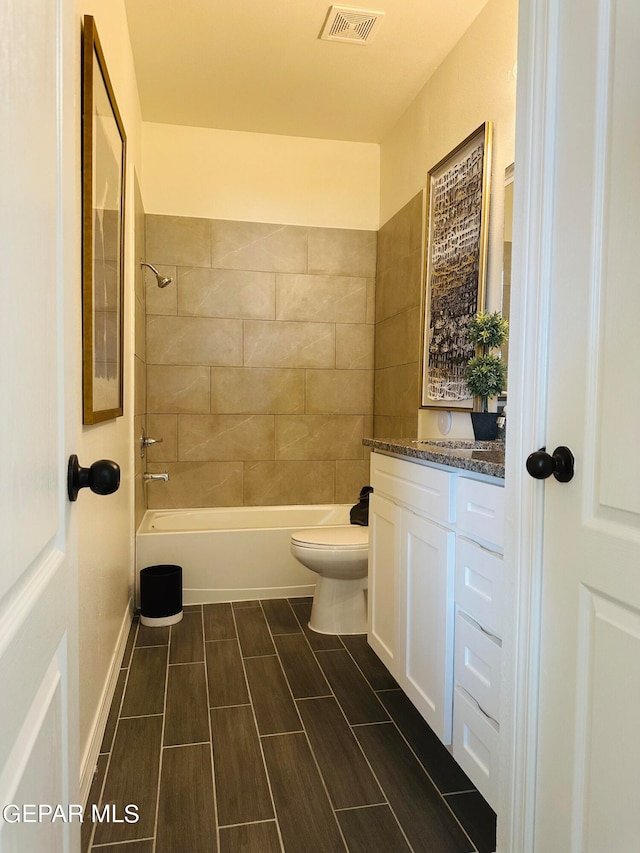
point(233, 553)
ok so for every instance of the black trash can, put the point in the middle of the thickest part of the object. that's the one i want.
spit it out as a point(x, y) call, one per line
point(160, 595)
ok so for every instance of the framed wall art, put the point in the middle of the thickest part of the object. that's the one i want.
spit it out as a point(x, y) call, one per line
point(103, 187)
point(456, 267)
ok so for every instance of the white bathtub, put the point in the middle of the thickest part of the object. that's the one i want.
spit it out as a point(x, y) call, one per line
point(233, 553)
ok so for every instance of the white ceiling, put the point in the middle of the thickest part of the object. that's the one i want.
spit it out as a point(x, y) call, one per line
point(258, 65)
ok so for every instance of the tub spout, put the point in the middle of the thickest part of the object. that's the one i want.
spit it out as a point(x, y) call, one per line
point(147, 477)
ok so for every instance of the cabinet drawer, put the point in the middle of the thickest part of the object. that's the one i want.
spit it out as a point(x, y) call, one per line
point(426, 490)
point(479, 584)
point(476, 745)
point(478, 659)
point(480, 510)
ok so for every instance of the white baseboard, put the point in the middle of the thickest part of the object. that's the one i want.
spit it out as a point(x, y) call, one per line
point(90, 757)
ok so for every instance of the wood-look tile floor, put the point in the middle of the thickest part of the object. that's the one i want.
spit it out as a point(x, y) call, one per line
point(239, 729)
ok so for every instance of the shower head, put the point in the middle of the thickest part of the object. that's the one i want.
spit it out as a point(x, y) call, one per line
point(162, 280)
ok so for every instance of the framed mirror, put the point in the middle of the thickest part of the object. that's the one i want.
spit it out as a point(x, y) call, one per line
point(456, 268)
point(103, 175)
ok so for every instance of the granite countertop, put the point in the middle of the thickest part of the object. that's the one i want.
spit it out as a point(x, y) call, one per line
point(483, 457)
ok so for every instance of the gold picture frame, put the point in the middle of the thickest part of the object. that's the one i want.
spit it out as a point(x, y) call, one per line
point(103, 192)
point(457, 239)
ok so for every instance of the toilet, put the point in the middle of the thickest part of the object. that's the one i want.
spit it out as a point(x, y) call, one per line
point(339, 556)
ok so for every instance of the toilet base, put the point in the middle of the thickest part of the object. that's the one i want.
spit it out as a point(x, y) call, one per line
point(339, 606)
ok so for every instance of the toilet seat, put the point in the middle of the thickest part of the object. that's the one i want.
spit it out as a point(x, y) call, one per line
point(344, 537)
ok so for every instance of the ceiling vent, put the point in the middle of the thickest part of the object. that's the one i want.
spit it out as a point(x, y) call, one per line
point(355, 25)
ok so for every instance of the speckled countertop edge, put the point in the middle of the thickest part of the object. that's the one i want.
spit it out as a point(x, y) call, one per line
point(460, 455)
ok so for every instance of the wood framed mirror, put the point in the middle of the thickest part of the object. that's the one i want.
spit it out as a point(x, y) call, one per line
point(103, 193)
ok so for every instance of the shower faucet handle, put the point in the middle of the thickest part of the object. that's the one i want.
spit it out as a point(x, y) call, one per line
point(145, 442)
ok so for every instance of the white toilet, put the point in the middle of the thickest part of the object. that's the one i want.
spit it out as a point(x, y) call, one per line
point(339, 555)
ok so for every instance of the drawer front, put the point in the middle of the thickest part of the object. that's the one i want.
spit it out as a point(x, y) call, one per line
point(476, 746)
point(480, 510)
point(480, 584)
point(478, 660)
point(426, 490)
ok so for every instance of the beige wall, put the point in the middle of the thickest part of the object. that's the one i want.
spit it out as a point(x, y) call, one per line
point(105, 524)
point(259, 177)
point(476, 83)
point(259, 362)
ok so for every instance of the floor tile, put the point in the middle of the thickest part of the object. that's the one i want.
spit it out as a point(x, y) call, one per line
point(133, 630)
point(144, 693)
point(344, 769)
point(186, 816)
point(372, 830)
point(132, 778)
point(274, 708)
point(253, 632)
point(445, 772)
point(93, 799)
point(300, 666)
point(306, 819)
point(126, 847)
point(417, 805)
point(152, 636)
point(477, 817)
point(187, 640)
point(218, 622)
point(241, 605)
point(225, 674)
point(369, 663)
point(359, 703)
point(242, 791)
point(250, 838)
point(318, 642)
point(114, 711)
point(187, 709)
point(280, 616)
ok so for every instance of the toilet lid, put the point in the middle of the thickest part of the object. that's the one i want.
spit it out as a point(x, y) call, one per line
point(345, 536)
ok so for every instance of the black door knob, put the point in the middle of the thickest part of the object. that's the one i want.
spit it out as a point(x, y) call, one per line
point(542, 465)
point(103, 477)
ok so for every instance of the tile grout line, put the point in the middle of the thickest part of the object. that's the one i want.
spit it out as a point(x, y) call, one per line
point(255, 722)
point(115, 731)
point(210, 725)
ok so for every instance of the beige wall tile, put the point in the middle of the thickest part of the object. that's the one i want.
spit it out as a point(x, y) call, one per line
point(166, 428)
point(139, 495)
point(339, 251)
point(398, 339)
point(203, 438)
point(193, 340)
point(140, 342)
point(351, 476)
point(177, 388)
point(389, 426)
point(161, 300)
point(226, 293)
point(258, 246)
point(399, 287)
point(196, 484)
point(319, 436)
point(354, 347)
point(140, 386)
point(371, 300)
point(285, 483)
point(139, 238)
point(343, 392)
point(178, 240)
point(282, 344)
point(402, 234)
point(321, 298)
point(396, 390)
point(257, 390)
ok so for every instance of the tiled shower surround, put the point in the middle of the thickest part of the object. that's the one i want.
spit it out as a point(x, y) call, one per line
point(259, 362)
point(397, 332)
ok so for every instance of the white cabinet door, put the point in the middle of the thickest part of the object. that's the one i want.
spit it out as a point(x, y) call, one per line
point(384, 565)
point(427, 579)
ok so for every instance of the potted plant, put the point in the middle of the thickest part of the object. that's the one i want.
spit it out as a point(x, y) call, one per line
point(486, 373)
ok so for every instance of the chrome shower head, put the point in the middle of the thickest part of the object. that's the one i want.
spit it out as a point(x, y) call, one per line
point(162, 280)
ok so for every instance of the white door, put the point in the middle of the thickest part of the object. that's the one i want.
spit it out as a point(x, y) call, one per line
point(38, 362)
point(578, 787)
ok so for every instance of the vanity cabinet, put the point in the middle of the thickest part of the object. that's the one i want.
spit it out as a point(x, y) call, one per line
point(436, 601)
point(411, 581)
point(478, 632)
